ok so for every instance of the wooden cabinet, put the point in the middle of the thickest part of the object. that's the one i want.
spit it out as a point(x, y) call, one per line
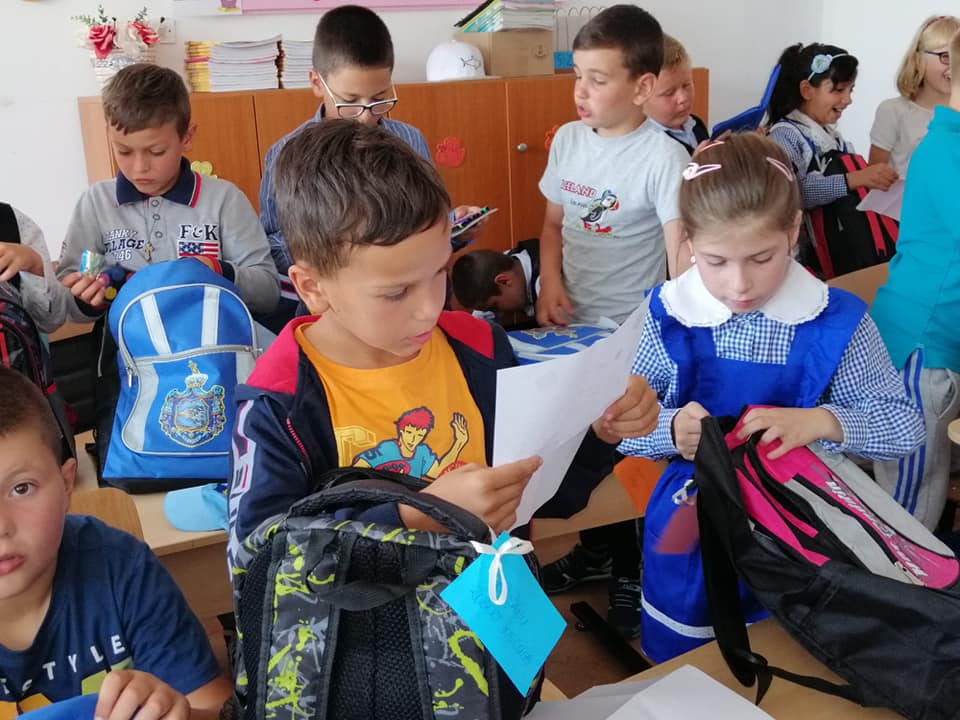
point(465, 127)
point(534, 110)
point(278, 112)
point(489, 138)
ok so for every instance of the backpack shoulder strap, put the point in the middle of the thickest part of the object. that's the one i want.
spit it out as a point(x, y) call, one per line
point(723, 527)
point(10, 232)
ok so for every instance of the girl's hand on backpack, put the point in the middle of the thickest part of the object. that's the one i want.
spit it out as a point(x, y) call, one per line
point(492, 494)
point(875, 177)
point(686, 429)
point(16, 258)
point(90, 290)
point(793, 427)
point(634, 414)
point(128, 693)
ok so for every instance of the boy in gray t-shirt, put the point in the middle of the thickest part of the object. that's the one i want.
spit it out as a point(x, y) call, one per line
point(611, 232)
point(611, 229)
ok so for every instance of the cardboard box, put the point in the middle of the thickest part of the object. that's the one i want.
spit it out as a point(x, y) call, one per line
point(512, 53)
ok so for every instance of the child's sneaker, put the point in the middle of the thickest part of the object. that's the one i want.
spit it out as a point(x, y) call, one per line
point(577, 566)
point(624, 612)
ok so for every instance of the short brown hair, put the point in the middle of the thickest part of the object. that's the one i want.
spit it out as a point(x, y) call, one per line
point(474, 276)
point(145, 96)
point(633, 31)
point(340, 184)
point(23, 407)
point(674, 53)
point(351, 35)
point(753, 182)
point(955, 59)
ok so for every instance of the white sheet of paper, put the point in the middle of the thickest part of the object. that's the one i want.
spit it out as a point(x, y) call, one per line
point(688, 694)
point(545, 409)
point(579, 708)
point(885, 202)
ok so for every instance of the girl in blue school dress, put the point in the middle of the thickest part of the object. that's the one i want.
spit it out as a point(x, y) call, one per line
point(748, 325)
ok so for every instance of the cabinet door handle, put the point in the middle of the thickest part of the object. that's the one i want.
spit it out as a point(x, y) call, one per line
point(522, 147)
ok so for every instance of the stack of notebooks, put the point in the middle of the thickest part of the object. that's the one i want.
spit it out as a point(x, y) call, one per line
point(225, 66)
point(296, 61)
point(495, 15)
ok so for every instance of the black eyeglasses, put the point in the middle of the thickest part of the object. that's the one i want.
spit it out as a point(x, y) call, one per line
point(354, 110)
point(943, 56)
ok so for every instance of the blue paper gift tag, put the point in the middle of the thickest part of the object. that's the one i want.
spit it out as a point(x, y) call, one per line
point(501, 601)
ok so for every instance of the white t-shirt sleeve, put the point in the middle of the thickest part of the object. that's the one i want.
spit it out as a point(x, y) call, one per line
point(886, 125)
point(665, 182)
point(550, 181)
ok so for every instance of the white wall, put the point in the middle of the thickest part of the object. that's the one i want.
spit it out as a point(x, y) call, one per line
point(892, 24)
point(44, 71)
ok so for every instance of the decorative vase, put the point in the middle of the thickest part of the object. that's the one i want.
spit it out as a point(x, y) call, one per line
point(106, 68)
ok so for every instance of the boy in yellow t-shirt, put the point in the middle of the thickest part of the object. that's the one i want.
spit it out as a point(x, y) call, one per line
point(379, 375)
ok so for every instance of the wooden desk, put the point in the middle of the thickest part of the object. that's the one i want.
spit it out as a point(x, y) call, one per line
point(196, 560)
point(784, 700)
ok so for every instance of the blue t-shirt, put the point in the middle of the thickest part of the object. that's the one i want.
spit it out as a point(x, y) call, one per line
point(113, 607)
point(920, 304)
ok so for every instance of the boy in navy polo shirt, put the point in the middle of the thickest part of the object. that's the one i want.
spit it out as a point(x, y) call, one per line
point(85, 608)
point(157, 208)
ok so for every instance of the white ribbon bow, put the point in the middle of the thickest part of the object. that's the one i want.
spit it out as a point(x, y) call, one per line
point(512, 546)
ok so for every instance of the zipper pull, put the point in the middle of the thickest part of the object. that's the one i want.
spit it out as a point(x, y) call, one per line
point(129, 376)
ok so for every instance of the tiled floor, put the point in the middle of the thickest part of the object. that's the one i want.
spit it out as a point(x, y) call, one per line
point(579, 661)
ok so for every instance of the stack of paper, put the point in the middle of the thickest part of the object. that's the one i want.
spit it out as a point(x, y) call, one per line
point(685, 694)
point(223, 66)
point(296, 62)
point(510, 15)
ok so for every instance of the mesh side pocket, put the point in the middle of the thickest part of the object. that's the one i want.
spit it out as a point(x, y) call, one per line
point(373, 669)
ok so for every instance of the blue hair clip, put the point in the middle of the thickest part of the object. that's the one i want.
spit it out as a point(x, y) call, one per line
point(822, 63)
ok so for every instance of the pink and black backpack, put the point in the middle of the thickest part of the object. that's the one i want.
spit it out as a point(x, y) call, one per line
point(846, 570)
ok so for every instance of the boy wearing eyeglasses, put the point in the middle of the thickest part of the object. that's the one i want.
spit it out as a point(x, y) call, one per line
point(918, 310)
point(352, 76)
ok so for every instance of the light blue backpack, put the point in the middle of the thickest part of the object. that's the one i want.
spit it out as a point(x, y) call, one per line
point(185, 340)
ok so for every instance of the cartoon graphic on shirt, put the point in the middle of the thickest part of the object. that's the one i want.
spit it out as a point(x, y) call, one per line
point(596, 213)
point(409, 454)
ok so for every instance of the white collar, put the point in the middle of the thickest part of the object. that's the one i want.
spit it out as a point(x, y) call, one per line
point(800, 298)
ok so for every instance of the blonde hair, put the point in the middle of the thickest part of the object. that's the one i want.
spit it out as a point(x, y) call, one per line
point(955, 59)
point(935, 32)
point(744, 177)
point(674, 53)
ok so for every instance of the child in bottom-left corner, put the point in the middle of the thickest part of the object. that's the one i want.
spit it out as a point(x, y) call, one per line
point(85, 608)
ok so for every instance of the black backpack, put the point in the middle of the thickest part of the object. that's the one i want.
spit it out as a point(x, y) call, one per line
point(845, 238)
point(896, 643)
point(342, 619)
point(21, 347)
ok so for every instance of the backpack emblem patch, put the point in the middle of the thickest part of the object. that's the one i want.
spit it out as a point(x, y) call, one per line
point(193, 416)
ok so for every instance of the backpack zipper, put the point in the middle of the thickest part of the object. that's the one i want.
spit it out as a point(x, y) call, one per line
point(130, 363)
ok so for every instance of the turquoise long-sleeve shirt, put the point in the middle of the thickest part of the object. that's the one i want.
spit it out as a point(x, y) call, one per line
point(920, 303)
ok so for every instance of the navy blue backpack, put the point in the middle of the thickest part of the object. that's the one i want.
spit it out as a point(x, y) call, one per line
point(185, 340)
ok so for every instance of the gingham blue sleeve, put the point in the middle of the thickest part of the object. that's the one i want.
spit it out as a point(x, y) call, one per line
point(653, 363)
point(816, 189)
point(867, 397)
